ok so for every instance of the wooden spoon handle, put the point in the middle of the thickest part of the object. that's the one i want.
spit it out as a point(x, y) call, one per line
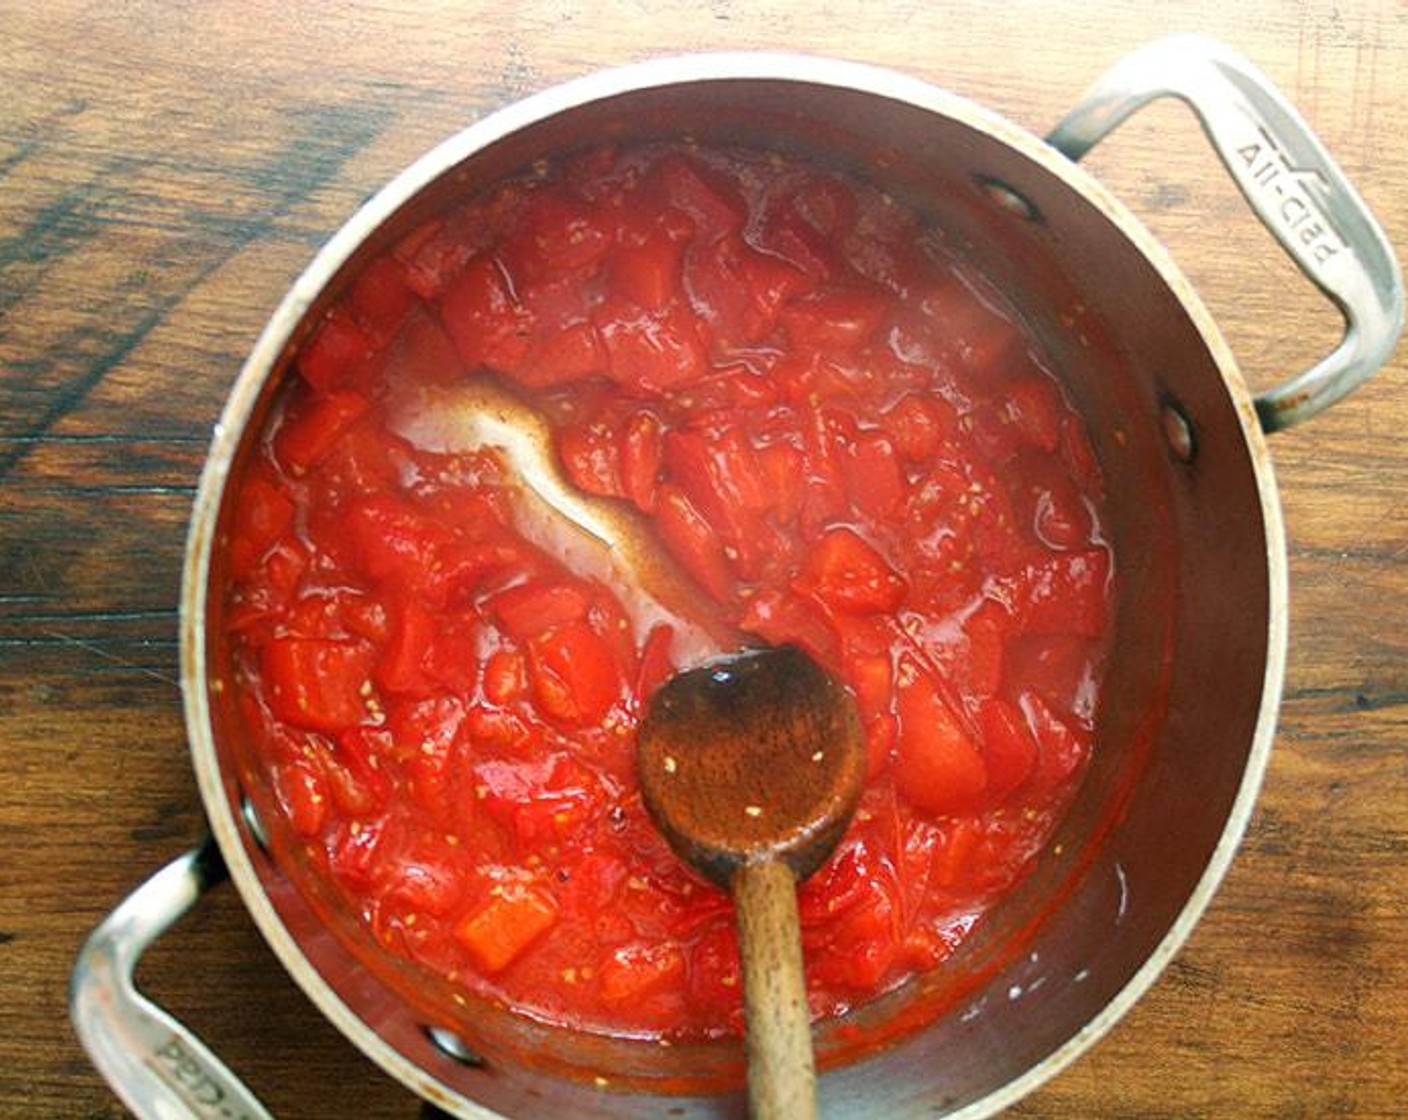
point(781, 1068)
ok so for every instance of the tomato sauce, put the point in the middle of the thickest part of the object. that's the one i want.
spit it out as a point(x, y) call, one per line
point(837, 429)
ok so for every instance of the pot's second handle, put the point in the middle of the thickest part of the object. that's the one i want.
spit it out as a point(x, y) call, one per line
point(159, 1069)
point(1292, 184)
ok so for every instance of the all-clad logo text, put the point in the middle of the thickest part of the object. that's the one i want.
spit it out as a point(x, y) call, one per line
point(200, 1089)
point(1272, 173)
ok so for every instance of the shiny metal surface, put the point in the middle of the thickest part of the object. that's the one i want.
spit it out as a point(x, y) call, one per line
point(1194, 682)
point(1297, 191)
point(159, 1069)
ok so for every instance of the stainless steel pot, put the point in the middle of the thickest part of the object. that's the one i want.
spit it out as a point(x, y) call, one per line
point(1200, 624)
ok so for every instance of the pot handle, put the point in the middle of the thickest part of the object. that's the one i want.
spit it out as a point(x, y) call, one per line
point(1291, 183)
point(158, 1067)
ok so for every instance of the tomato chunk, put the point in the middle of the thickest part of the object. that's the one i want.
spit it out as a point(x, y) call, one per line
point(573, 675)
point(307, 437)
point(487, 323)
point(938, 768)
point(651, 348)
point(636, 972)
point(531, 609)
point(1009, 750)
point(263, 515)
point(649, 268)
point(694, 544)
point(850, 575)
point(500, 930)
point(556, 235)
point(338, 347)
point(318, 683)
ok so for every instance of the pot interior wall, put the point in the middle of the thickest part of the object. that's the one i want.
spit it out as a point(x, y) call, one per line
point(1184, 684)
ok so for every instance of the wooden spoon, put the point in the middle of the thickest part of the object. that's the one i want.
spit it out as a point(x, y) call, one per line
point(751, 766)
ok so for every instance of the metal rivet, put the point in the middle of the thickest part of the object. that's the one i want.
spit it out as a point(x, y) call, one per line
point(1178, 433)
point(453, 1046)
point(1008, 198)
point(253, 823)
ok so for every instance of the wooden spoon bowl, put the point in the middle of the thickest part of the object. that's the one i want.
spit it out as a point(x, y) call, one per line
point(751, 766)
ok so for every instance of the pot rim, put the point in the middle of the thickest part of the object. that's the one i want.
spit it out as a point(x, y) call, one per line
point(232, 832)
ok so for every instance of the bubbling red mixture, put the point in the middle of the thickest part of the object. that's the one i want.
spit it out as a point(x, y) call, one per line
point(838, 430)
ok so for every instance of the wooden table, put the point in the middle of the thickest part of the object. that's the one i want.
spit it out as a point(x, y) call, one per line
point(166, 171)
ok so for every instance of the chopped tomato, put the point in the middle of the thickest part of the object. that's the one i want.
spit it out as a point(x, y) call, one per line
point(263, 515)
point(402, 666)
point(835, 319)
point(709, 199)
point(953, 856)
point(303, 793)
point(499, 931)
point(795, 239)
point(361, 786)
point(1065, 592)
point(338, 347)
point(393, 540)
point(789, 618)
point(505, 677)
point(881, 733)
point(872, 677)
point(424, 883)
point(739, 291)
point(781, 466)
point(318, 683)
point(382, 297)
point(571, 354)
point(1009, 750)
point(651, 349)
point(872, 474)
point(591, 455)
point(656, 662)
point(850, 575)
point(938, 768)
point(920, 424)
point(986, 629)
point(530, 609)
point(1062, 751)
point(640, 454)
point(555, 236)
point(363, 460)
point(636, 972)
point(721, 475)
point(649, 267)
point(694, 544)
point(487, 323)
point(306, 437)
point(573, 676)
point(541, 800)
point(353, 854)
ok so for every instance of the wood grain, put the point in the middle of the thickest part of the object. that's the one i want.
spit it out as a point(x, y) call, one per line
point(165, 172)
point(781, 1067)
